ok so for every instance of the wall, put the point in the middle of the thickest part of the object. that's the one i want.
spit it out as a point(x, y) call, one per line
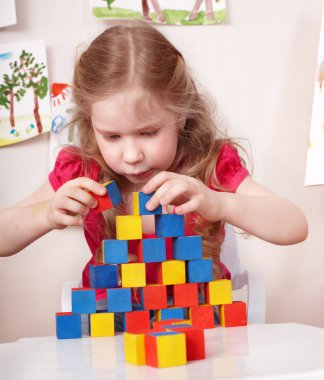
point(259, 67)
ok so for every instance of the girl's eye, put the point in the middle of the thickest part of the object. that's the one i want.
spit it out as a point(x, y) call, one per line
point(111, 137)
point(149, 133)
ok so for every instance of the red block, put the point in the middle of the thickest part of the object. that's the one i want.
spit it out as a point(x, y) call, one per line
point(104, 202)
point(135, 321)
point(185, 295)
point(195, 341)
point(202, 316)
point(166, 322)
point(154, 297)
point(233, 314)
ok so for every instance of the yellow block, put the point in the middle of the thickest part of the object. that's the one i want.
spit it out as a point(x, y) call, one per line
point(128, 227)
point(136, 208)
point(171, 350)
point(134, 348)
point(172, 272)
point(220, 292)
point(102, 324)
point(133, 275)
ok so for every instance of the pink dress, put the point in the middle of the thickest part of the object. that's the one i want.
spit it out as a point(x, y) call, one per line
point(229, 171)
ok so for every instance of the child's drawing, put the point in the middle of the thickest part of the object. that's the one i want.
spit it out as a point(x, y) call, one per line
point(173, 12)
point(62, 133)
point(315, 154)
point(24, 97)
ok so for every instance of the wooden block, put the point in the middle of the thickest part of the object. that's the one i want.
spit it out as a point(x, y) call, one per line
point(83, 300)
point(202, 316)
point(154, 297)
point(133, 275)
point(68, 326)
point(185, 295)
point(159, 324)
point(233, 315)
point(102, 324)
point(152, 250)
point(111, 199)
point(218, 292)
point(170, 313)
point(187, 248)
point(195, 341)
point(165, 349)
point(169, 225)
point(135, 321)
point(200, 270)
point(128, 227)
point(139, 201)
point(115, 251)
point(134, 348)
point(171, 272)
point(119, 300)
point(103, 276)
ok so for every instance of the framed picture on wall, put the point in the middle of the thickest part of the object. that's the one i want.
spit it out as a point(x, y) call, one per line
point(25, 109)
point(171, 12)
point(315, 153)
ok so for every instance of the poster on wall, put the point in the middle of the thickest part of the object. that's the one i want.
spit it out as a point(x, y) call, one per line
point(25, 109)
point(62, 133)
point(171, 12)
point(7, 13)
point(315, 152)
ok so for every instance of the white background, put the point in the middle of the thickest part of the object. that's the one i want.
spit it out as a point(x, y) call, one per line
point(260, 68)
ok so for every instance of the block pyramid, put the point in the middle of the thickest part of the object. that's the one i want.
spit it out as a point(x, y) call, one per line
point(183, 296)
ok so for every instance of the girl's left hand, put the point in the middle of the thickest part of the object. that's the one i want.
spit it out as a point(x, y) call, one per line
point(186, 193)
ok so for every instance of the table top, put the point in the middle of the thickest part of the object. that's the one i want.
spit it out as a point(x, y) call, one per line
point(269, 351)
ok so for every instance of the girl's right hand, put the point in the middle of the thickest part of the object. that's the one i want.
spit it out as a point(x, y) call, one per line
point(72, 201)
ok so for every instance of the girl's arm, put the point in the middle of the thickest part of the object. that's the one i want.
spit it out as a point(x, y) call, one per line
point(44, 211)
point(253, 208)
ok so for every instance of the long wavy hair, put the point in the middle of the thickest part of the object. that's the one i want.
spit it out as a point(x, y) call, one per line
point(138, 54)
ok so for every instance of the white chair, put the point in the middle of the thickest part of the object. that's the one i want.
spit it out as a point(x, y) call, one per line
point(241, 278)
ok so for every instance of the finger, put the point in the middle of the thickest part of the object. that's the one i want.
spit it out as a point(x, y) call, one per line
point(187, 207)
point(64, 220)
point(157, 181)
point(155, 200)
point(89, 185)
point(176, 193)
point(80, 195)
point(72, 206)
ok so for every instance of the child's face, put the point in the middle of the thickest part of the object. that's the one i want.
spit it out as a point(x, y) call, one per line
point(137, 137)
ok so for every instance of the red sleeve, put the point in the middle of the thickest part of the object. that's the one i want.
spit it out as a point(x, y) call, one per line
point(229, 170)
point(69, 165)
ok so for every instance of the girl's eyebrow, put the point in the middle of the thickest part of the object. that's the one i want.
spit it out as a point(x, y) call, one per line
point(141, 129)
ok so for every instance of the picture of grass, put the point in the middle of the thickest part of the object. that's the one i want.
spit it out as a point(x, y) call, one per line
point(194, 12)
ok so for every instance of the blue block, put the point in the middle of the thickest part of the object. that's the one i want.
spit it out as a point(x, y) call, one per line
point(142, 200)
point(103, 276)
point(152, 250)
point(68, 326)
point(119, 300)
point(187, 248)
point(169, 225)
point(172, 313)
point(200, 270)
point(83, 301)
point(114, 193)
point(115, 251)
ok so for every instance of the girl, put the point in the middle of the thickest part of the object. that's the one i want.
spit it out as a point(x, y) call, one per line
point(142, 122)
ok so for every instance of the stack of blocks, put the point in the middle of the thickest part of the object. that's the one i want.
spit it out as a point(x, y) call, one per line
point(177, 335)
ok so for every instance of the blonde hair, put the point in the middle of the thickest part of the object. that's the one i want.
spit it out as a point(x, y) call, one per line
point(138, 54)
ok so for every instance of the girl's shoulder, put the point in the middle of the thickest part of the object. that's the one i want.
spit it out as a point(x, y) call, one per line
point(229, 170)
point(70, 164)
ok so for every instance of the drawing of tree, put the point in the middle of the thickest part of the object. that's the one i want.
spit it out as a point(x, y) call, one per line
point(10, 90)
point(30, 73)
point(109, 2)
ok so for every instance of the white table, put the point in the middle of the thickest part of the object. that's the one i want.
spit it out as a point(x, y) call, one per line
point(277, 351)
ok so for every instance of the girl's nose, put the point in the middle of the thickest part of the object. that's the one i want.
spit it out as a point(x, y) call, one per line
point(132, 153)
